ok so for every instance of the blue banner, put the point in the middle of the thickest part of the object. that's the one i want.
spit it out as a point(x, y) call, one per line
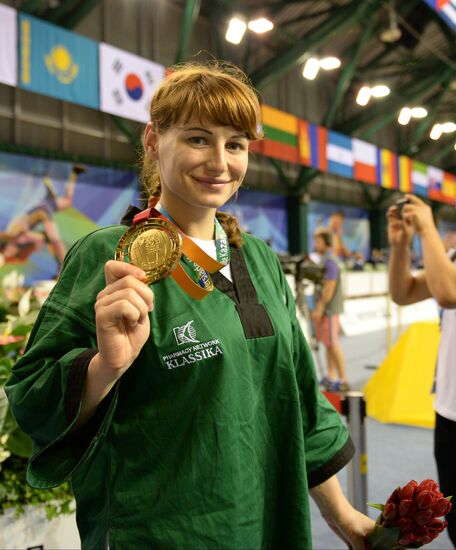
point(46, 205)
point(57, 62)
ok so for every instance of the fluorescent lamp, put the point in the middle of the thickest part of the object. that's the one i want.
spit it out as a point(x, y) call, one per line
point(311, 68)
point(329, 63)
point(260, 25)
point(448, 127)
point(436, 131)
point(419, 112)
point(235, 31)
point(380, 90)
point(363, 96)
point(404, 116)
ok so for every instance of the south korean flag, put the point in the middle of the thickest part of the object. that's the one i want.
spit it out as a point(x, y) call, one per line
point(127, 83)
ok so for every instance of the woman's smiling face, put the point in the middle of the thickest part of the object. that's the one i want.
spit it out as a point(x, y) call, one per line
point(201, 164)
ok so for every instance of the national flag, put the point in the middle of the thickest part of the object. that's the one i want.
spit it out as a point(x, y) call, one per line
point(8, 45)
point(57, 62)
point(405, 174)
point(420, 179)
point(435, 177)
point(446, 9)
point(387, 169)
point(281, 135)
point(127, 83)
point(365, 161)
point(305, 142)
point(339, 154)
point(318, 143)
point(449, 188)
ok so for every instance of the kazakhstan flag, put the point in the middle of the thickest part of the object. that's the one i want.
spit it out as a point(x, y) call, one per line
point(57, 62)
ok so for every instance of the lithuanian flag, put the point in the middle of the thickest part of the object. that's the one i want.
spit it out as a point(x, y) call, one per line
point(281, 135)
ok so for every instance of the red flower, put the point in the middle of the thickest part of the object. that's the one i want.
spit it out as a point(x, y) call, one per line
point(409, 517)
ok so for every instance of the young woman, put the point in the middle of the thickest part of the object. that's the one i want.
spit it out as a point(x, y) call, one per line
point(184, 423)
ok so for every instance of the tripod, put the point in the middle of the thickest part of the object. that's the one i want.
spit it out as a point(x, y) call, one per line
point(305, 273)
point(304, 316)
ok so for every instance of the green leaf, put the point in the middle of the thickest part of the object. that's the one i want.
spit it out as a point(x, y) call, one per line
point(378, 506)
point(20, 444)
point(384, 538)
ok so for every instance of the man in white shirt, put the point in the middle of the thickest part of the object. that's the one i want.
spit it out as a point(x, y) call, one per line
point(437, 280)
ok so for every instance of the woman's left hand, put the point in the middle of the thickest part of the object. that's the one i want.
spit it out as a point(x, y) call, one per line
point(353, 529)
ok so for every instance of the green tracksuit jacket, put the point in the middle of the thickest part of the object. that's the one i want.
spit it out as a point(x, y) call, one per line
point(212, 437)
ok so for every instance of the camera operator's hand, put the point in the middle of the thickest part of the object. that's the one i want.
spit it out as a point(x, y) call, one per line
point(417, 214)
point(400, 233)
point(317, 313)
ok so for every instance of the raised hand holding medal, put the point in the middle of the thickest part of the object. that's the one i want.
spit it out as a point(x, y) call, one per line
point(155, 244)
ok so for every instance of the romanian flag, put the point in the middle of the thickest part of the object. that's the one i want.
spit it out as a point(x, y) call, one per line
point(281, 135)
point(387, 169)
point(405, 174)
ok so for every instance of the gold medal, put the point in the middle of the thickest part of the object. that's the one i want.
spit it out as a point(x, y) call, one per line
point(155, 246)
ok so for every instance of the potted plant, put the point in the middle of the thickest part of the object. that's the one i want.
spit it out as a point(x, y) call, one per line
point(19, 308)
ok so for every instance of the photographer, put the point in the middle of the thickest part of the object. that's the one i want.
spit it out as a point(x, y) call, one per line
point(437, 280)
point(328, 305)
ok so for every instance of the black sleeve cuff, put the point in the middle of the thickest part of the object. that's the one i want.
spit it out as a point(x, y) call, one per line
point(76, 380)
point(336, 463)
point(80, 439)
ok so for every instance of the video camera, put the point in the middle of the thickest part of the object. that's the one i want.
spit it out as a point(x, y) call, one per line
point(302, 268)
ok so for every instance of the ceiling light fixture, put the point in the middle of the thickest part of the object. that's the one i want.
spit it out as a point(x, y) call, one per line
point(419, 112)
point(363, 96)
point(380, 90)
point(448, 127)
point(311, 68)
point(260, 25)
point(404, 116)
point(436, 131)
point(330, 63)
point(393, 32)
point(236, 30)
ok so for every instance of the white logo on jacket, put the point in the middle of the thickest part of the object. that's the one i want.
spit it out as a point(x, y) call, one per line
point(186, 334)
point(194, 353)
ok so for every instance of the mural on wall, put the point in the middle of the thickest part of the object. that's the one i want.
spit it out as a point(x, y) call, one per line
point(46, 205)
point(263, 215)
point(349, 226)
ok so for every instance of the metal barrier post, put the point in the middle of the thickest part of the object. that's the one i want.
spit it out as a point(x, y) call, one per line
point(354, 408)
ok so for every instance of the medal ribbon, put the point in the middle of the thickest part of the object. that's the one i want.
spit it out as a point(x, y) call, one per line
point(201, 263)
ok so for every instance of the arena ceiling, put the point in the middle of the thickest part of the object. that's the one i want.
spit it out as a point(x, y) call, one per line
point(419, 67)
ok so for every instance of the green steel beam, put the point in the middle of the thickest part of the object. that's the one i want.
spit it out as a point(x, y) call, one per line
point(290, 57)
point(191, 12)
point(433, 109)
point(348, 72)
point(284, 179)
point(387, 110)
point(80, 12)
point(331, 12)
point(32, 6)
point(443, 152)
point(125, 127)
point(402, 8)
point(57, 14)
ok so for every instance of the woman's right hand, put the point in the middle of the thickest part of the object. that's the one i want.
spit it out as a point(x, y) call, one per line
point(399, 232)
point(122, 317)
